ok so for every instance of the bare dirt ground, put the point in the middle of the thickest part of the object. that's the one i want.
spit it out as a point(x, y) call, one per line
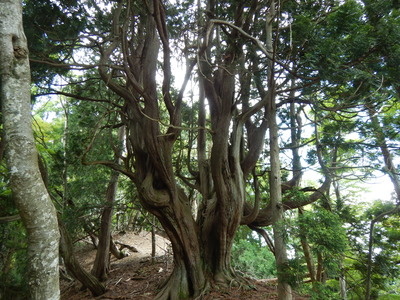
point(137, 277)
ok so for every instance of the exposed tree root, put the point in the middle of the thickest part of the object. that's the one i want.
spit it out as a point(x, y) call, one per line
point(227, 280)
point(176, 287)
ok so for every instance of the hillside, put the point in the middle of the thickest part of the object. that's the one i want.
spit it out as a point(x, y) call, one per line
point(136, 277)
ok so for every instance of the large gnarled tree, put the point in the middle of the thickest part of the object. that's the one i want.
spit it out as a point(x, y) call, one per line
point(247, 65)
point(238, 122)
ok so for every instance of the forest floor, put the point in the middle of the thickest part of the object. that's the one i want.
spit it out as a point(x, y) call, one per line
point(137, 277)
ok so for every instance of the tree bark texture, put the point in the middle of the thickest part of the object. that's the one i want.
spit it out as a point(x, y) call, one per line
point(34, 204)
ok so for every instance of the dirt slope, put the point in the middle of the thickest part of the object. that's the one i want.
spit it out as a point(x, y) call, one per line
point(136, 277)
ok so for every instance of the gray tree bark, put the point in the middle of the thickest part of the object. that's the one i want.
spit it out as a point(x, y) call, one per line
point(34, 204)
point(284, 288)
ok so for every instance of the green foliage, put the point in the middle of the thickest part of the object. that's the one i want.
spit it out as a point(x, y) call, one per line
point(323, 291)
point(51, 28)
point(13, 249)
point(295, 195)
point(389, 297)
point(251, 256)
point(386, 246)
point(324, 231)
point(385, 273)
point(13, 244)
point(293, 272)
point(14, 260)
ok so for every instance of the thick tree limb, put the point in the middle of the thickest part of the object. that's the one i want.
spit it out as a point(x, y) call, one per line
point(247, 219)
point(265, 216)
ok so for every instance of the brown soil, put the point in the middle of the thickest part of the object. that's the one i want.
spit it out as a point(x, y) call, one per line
point(138, 277)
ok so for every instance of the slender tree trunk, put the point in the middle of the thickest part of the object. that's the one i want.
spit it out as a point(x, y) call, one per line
point(342, 277)
point(368, 280)
point(342, 285)
point(66, 198)
point(369, 261)
point(379, 136)
point(390, 168)
point(102, 261)
point(284, 288)
point(34, 204)
point(153, 241)
point(320, 268)
point(91, 233)
point(308, 255)
point(73, 266)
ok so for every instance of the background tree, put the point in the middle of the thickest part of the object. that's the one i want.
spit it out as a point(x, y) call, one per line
point(102, 261)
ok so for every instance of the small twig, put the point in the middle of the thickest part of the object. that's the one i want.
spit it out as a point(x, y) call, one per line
point(118, 281)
